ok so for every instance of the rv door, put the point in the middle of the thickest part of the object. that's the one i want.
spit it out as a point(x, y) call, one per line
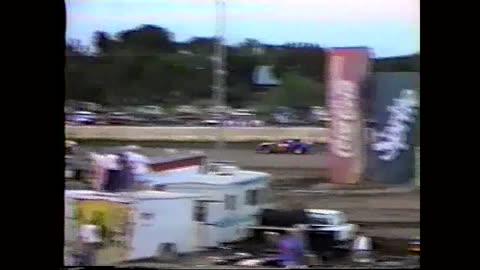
point(207, 216)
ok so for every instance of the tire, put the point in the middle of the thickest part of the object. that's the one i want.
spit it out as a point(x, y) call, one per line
point(167, 252)
point(265, 150)
point(299, 151)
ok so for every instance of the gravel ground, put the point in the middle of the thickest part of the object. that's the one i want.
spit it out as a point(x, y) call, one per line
point(293, 174)
point(394, 215)
point(389, 217)
point(246, 156)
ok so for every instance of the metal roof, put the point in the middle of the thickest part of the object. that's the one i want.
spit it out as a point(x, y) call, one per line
point(323, 211)
point(193, 176)
point(159, 195)
point(175, 157)
point(127, 197)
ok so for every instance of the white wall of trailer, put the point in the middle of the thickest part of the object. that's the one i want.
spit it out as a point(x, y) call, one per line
point(69, 226)
point(162, 221)
point(158, 218)
point(235, 218)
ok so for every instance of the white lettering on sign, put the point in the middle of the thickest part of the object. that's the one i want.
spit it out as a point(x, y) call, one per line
point(336, 67)
point(393, 138)
point(344, 110)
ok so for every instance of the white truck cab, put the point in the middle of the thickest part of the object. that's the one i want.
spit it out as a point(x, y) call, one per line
point(326, 229)
point(332, 221)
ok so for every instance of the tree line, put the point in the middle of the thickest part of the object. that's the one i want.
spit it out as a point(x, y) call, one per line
point(145, 65)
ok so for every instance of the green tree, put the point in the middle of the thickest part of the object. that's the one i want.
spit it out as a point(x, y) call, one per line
point(239, 94)
point(144, 65)
point(305, 59)
point(147, 39)
point(296, 91)
point(103, 43)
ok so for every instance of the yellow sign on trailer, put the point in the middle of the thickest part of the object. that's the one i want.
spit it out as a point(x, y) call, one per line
point(112, 215)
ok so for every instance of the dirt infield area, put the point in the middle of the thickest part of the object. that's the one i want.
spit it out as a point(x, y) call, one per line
point(388, 215)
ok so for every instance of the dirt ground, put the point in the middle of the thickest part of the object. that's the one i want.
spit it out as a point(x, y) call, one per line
point(387, 213)
point(390, 217)
point(292, 173)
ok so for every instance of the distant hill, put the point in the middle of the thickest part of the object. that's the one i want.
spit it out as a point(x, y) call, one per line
point(399, 63)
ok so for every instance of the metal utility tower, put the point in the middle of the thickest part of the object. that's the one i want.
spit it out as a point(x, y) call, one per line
point(219, 65)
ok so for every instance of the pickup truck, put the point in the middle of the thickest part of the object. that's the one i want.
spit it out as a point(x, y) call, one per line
point(326, 229)
point(333, 222)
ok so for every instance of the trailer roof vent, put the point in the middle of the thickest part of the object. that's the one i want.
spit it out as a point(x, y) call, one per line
point(220, 169)
point(227, 170)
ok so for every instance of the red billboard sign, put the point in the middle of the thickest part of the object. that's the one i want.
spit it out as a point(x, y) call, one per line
point(347, 70)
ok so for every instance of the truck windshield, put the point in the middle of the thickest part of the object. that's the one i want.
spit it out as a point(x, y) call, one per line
point(319, 220)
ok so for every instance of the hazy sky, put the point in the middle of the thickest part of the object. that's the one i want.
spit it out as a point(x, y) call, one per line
point(390, 27)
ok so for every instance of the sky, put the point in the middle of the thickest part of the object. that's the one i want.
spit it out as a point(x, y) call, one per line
point(389, 27)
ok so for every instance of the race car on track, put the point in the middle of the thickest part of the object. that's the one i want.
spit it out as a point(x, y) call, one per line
point(289, 146)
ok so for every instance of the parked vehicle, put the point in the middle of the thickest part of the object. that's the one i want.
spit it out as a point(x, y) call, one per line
point(294, 146)
point(168, 121)
point(90, 106)
point(211, 122)
point(187, 110)
point(219, 110)
point(288, 119)
point(120, 118)
point(333, 222)
point(235, 198)
point(319, 114)
point(214, 119)
point(151, 109)
point(135, 225)
point(282, 116)
point(83, 118)
point(243, 118)
point(326, 229)
point(150, 114)
point(414, 246)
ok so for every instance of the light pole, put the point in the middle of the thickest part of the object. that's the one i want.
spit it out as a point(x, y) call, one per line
point(219, 65)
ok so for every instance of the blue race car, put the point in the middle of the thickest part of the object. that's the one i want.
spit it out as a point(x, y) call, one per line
point(289, 146)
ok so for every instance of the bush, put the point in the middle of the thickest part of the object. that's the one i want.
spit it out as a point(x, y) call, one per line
point(296, 91)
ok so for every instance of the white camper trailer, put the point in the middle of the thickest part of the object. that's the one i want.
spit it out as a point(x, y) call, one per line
point(235, 198)
point(136, 225)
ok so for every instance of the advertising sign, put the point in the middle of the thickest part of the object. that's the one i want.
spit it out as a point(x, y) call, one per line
point(114, 219)
point(417, 167)
point(347, 70)
point(391, 151)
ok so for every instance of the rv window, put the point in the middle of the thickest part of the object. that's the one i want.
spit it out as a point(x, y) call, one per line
point(319, 220)
point(160, 188)
point(230, 202)
point(263, 196)
point(248, 197)
point(199, 212)
point(146, 216)
point(251, 197)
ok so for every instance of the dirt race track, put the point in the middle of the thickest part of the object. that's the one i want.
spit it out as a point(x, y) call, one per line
point(386, 214)
point(389, 215)
point(246, 157)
